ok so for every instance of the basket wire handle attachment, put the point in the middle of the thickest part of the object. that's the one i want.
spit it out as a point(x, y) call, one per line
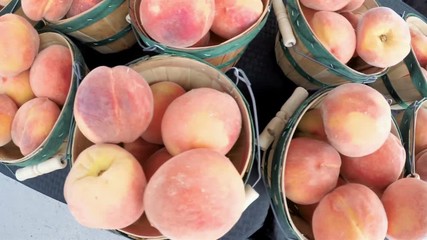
point(251, 194)
point(285, 29)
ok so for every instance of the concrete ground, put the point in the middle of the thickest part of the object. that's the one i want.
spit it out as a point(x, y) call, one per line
point(26, 214)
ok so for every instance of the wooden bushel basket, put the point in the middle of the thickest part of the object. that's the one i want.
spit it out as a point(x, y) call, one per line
point(404, 83)
point(223, 55)
point(57, 140)
point(190, 74)
point(103, 27)
point(305, 61)
point(274, 160)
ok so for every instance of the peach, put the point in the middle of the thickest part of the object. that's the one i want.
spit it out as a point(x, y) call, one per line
point(382, 37)
point(311, 170)
point(204, 41)
point(419, 44)
point(33, 122)
point(357, 119)
point(378, 169)
point(113, 105)
point(18, 87)
point(308, 13)
point(233, 17)
point(335, 33)
point(421, 164)
point(141, 149)
point(325, 5)
point(50, 10)
point(201, 118)
point(177, 23)
point(80, 6)
point(353, 18)
point(197, 194)
point(420, 129)
point(405, 204)
point(8, 110)
point(157, 159)
point(351, 211)
point(19, 45)
point(105, 187)
point(163, 94)
point(352, 5)
point(311, 125)
point(50, 74)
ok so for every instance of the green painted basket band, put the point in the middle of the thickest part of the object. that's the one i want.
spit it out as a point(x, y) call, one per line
point(111, 39)
point(102, 10)
point(393, 93)
point(10, 7)
point(319, 52)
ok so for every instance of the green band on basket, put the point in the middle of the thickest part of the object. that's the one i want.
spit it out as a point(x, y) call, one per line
point(99, 12)
point(319, 52)
point(389, 86)
point(417, 76)
point(232, 60)
point(10, 7)
point(207, 52)
point(111, 39)
point(299, 69)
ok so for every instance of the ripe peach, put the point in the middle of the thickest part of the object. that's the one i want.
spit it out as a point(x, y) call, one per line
point(157, 159)
point(197, 194)
point(33, 122)
point(382, 37)
point(19, 44)
point(50, 74)
point(163, 94)
point(18, 87)
point(177, 23)
point(378, 169)
point(308, 13)
point(421, 164)
point(311, 170)
point(201, 118)
point(80, 6)
point(351, 211)
point(419, 44)
point(352, 5)
point(405, 204)
point(105, 187)
point(233, 17)
point(335, 33)
point(311, 125)
point(204, 41)
point(8, 110)
point(325, 5)
point(420, 130)
point(141, 149)
point(357, 119)
point(353, 18)
point(113, 105)
point(50, 10)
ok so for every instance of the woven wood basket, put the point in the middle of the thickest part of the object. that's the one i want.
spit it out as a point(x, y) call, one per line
point(305, 61)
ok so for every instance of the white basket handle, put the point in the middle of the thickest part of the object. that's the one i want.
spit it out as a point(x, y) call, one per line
point(285, 28)
point(55, 163)
point(276, 125)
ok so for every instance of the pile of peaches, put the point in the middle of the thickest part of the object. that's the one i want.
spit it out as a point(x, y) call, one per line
point(192, 23)
point(158, 150)
point(378, 36)
point(420, 142)
point(344, 171)
point(34, 84)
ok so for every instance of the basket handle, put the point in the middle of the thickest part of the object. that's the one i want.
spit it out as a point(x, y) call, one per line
point(55, 163)
point(285, 28)
point(276, 125)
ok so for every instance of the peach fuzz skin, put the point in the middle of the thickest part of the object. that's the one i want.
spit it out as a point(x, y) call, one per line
point(177, 23)
point(33, 122)
point(105, 187)
point(197, 194)
point(19, 45)
point(113, 105)
point(201, 118)
point(357, 119)
point(8, 110)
